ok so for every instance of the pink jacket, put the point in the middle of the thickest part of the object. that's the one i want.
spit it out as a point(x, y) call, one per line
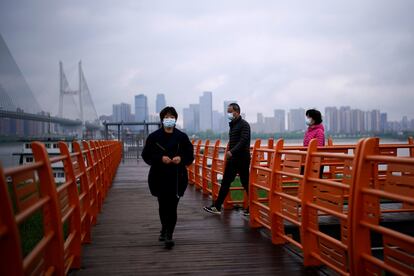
point(316, 131)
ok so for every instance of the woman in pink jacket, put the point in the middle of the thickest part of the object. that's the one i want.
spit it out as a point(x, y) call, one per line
point(315, 128)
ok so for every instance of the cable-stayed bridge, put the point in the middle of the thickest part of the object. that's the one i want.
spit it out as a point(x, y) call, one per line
point(18, 104)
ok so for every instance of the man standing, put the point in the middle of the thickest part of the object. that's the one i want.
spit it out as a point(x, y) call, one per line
point(237, 156)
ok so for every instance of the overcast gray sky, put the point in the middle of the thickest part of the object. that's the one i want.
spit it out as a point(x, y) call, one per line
point(264, 54)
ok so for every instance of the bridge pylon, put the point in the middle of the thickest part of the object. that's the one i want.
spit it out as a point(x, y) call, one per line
point(82, 93)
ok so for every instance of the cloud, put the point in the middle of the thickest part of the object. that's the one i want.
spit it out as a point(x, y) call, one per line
point(264, 54)
point(212, 83)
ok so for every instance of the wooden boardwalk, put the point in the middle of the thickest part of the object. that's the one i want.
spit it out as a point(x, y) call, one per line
point(125, 240)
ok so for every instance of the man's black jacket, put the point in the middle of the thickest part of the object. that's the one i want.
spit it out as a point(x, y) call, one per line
point(239, 139)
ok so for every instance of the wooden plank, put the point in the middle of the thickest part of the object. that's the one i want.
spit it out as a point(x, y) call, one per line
point(125, 240)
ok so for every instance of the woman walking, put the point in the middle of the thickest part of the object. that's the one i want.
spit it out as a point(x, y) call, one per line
point(315, 131)
point(168, 151)
point(315, 127)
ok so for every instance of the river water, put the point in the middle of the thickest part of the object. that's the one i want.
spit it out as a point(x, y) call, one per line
point(6, 153)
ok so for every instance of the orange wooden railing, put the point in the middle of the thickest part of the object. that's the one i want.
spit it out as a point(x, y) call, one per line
point(305, 200)
point(367, 211)
point(207, 171)
point(286, 188)
point(31, 189)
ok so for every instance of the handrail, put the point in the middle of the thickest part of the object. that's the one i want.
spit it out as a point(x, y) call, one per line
point(286, 185)
point(35, 190)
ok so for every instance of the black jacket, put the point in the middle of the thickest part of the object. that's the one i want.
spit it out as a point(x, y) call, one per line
point(171, 179)
point(239, 139)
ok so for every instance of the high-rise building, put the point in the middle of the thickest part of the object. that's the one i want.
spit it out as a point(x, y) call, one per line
point(260, 118)
point(280, 117)
point(405, 123)
point(383, 122)
point(188, 119)
point(160, 103)
point(191, 118)
point(141, 109)
point(217, 121)
point(331, 119)
point(270, 125)
point(259, 125)
point(206, 111)
point(296, 119)
point(345, 119)
point(121, 112)
point(375, 120)
point(357, 121)
point(368, 121)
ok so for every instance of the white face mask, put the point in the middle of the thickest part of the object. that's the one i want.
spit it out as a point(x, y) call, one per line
point(168, 122)
point(230, 117)
point(308, 121)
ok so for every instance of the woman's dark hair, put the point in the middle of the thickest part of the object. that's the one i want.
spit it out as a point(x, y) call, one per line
point(235, 107)
point(315, 115)
point(168, 110)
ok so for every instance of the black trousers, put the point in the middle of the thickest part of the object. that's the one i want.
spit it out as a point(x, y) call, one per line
point(168, 213)
point(233, 167)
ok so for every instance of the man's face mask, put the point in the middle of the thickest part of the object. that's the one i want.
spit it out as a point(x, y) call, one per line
point(230, 117)
point(168, 122)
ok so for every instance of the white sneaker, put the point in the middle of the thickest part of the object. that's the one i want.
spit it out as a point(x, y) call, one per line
point(212, 209)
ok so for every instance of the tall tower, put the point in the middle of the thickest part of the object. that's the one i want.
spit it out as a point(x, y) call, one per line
point(141, 108)
point(160, 103)
point(65, 90)
point(206, 111)
point(87, 111)
point(121, 112)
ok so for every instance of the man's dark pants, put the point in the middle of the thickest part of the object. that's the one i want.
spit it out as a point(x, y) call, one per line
point(233, 167)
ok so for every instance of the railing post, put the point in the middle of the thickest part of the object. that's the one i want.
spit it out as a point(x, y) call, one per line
point(197, 169)
point(94, 192)
point(276, 186)
point(73, 202)
point(309, 242)
point(214, 167)
point(204, 169)
point(10, 252)
point(85, 191)
point(365, 170)
point(53, 220)
point(330, 141)
point(254, 213)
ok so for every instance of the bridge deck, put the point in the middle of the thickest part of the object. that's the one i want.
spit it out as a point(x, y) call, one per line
point(125, 241)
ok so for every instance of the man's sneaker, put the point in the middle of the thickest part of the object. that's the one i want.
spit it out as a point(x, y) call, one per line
point(246, 212)
point(169, 242)
point(212, 209)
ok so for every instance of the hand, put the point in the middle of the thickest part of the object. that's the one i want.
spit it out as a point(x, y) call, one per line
point(176, 160)
point(229, 155)
point(166, 160)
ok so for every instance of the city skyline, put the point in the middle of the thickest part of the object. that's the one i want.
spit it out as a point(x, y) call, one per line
point(261, 54)
point(337, 120)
